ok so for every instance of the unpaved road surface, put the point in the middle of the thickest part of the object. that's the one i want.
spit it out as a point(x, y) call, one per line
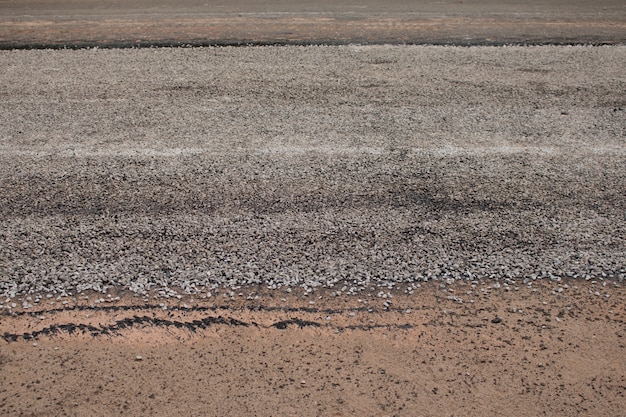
point(268, 218)
point(188, 169)
point(69, 23)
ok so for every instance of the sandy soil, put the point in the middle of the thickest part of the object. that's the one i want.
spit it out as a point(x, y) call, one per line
point(546, 348)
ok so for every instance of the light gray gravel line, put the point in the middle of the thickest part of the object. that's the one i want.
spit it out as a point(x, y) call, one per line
point(188, 170)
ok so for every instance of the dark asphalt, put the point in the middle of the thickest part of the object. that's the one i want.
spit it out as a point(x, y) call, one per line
point(67, 23)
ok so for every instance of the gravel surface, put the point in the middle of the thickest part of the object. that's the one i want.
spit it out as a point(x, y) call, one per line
point(356, 167)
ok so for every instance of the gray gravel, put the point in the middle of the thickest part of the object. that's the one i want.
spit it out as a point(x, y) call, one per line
point(195, 170)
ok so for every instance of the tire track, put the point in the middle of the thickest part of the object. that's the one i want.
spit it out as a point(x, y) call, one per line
point(193, 326)
point(202, 309)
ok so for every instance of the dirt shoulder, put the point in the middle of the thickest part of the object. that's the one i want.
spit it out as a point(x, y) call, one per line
point(549, 347)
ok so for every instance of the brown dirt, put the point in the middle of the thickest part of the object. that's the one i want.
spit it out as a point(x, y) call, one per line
point(545, 349)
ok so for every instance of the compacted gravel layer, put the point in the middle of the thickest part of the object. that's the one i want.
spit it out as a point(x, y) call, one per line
point(205, 169)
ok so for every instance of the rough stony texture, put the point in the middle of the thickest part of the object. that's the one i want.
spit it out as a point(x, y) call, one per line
point(190, 170)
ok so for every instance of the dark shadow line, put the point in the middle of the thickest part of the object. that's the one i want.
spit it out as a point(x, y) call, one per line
point(76, 45)
point(205, 309)
point(192, 326)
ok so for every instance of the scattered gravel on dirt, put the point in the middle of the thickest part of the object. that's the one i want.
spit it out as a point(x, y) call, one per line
point(552, 353)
